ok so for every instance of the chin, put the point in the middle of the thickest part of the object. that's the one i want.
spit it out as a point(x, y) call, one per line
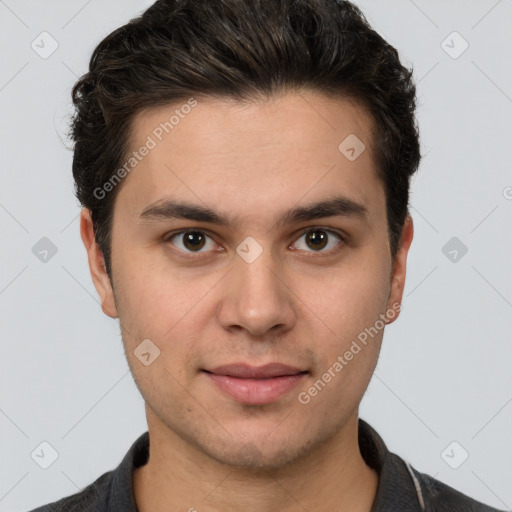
point(259, 453)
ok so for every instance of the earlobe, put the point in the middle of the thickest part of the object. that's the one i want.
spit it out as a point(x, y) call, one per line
point(399, 270)
point(97, 268)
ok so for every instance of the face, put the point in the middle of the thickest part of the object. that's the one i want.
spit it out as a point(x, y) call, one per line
point(251, 274)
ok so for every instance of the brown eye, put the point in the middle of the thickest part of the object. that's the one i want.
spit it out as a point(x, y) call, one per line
point(191, 241)
point(317, 239)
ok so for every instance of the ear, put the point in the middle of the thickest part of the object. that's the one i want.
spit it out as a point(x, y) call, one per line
point(97, 265)
point(399, 269)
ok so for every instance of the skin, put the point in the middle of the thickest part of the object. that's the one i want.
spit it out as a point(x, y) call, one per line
point(294, 304)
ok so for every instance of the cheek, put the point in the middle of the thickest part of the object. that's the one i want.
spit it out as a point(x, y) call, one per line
point(156, 300)
point(349, 306)
point(348, 353)
point(353, 296)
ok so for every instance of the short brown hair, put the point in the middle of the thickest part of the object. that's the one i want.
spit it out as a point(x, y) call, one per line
point(243, 50)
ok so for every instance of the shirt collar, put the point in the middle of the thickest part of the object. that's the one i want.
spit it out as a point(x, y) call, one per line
point(396, 489)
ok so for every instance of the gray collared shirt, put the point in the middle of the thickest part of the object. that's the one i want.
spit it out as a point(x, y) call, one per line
point(400, 488)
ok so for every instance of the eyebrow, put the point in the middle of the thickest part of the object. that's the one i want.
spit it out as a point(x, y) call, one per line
point(335, 207)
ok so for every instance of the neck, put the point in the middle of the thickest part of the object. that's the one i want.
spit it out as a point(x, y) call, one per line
point(179, 476)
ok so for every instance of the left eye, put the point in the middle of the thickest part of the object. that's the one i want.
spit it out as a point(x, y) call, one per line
point(318, 239)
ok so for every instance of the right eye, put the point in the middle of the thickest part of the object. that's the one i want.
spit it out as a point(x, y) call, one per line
point(190, 241)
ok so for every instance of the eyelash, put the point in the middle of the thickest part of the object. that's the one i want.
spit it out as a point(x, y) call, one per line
point(170, 236)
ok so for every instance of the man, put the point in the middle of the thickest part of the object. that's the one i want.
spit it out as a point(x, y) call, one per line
point(244, 170)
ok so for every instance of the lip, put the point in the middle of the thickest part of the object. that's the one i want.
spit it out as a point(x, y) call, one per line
point(256, 385)
point(245, 371)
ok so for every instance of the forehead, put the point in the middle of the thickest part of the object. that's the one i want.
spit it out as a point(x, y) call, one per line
point(245, 126)
point(250, 156)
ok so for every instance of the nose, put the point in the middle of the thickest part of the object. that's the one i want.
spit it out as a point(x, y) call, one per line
point(256, 298)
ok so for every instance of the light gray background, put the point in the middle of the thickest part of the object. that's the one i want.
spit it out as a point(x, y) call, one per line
point(444, 371)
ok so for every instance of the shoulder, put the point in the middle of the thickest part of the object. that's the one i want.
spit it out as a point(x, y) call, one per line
point(439, 497)
point(93, 498)
point(113, 488)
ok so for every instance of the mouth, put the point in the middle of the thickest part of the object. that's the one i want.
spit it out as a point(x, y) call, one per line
point(255, 385)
